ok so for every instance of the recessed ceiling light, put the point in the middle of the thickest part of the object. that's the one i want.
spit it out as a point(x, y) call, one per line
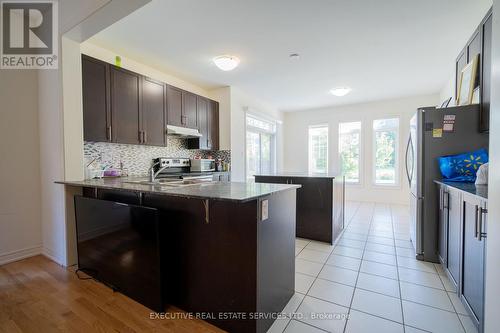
point(340, 91)
point(226, 62)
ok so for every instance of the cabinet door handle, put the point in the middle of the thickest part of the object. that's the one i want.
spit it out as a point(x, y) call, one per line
point(481, 235)
point(476, 222)
point(108, 133)
point(140, 136)
point(441, 199)
point(144, 137)
point(447, 196)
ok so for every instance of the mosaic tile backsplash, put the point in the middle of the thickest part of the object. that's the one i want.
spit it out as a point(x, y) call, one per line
point(136, 159)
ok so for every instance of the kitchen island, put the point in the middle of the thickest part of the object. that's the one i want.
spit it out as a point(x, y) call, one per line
point(320, 203)
point(222, 251)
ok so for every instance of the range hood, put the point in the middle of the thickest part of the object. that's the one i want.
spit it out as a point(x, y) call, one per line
point(183, 132)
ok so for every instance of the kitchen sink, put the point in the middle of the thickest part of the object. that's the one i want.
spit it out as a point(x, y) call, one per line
point(172, 182)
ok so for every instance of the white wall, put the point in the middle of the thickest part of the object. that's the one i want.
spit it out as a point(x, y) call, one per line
point(240, 103)
point(492, 291)
point(296, 126)
point(20, 231)
point(109, 56)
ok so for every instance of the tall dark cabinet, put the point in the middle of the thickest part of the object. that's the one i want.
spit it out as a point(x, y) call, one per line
point(96, 100)
point(153, 112)
point(213, 125)
point(479, 44)
point(174, 106)
point(125, 106)
point(189, 109)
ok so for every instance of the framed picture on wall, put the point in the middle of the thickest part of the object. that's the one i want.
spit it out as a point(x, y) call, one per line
point(467, 82)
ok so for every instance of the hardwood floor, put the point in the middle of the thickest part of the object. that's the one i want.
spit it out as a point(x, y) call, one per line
point(37, 295)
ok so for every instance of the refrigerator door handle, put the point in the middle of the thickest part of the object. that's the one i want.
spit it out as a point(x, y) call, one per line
point(406, 160)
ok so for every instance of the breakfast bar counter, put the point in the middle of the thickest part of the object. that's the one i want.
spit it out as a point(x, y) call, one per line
point(224, 252)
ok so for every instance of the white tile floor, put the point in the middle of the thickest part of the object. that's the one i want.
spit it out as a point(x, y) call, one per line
point(370, 281)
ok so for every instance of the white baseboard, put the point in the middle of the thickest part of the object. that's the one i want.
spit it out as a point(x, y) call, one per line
point(5, 258)
point(48, 253)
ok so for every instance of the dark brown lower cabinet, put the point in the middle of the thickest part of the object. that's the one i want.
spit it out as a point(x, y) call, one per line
point(473, 255)
point(462, 245)
point(320, 205)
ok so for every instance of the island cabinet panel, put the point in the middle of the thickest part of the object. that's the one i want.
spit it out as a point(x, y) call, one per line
point(96, 103)
point(153, 112)
point(320, 205)
point(275, 262)
point(174, 106)
point(223, 260)
point(125, 106)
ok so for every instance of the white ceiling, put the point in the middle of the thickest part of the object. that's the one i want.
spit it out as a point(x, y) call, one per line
point(380, 48)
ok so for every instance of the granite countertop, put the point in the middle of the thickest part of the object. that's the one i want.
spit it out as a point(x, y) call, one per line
point(298, 174)
point(229, 191)
point(479, 190)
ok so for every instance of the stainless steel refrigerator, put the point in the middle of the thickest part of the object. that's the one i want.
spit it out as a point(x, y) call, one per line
point(429, 139)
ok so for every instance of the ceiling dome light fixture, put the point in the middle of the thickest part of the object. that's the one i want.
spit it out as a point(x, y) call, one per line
point(340, 91)
point(226, 62)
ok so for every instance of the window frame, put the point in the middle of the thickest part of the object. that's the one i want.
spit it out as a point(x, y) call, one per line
point(273, 134)
point(309, 150)
point(397, 180)
point(359, 183)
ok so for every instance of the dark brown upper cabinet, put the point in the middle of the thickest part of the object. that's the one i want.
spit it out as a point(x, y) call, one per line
point(213, 125)
point(174, 106)
point(479, 44)
point(153, 112)
point(125, 106)
point(203, 122)
point(96, 100)
point(208, 125)
point(189, 109)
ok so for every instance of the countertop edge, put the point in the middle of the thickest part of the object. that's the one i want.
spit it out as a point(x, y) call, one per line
point(456, 187)
point(182, 195)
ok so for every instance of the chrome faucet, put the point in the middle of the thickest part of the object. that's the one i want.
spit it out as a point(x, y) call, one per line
point(153, 174)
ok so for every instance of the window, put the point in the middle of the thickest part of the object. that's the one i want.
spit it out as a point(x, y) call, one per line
point(385, 151)
point(318, 149)
point(260, 146)
point(350, 151)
